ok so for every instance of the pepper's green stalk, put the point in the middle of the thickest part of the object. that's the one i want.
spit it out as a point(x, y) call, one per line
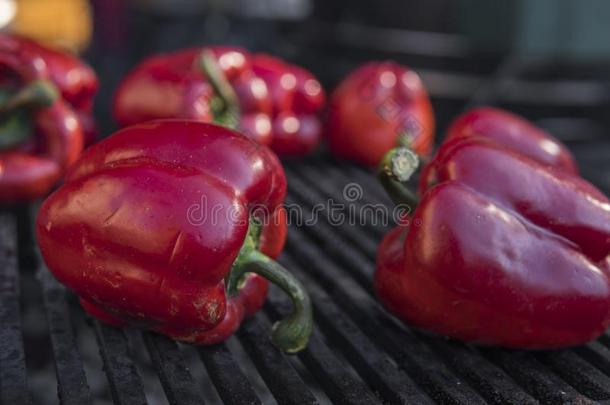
point(15, 121)
point(38, 93)
point(225, 105)
point(396, 167)
point(290, 334)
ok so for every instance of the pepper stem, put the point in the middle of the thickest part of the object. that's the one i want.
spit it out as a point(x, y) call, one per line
point(38, 93)
point(290, 334)
point(396, 167)
point(225, 105)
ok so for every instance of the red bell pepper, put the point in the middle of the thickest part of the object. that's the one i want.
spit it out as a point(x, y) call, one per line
point(514, 132)
point(269, 100)
point(74, 79)
point(377, 107)
point(501, 249)
point(44, 99)
point(172, 226)
point(297, 97)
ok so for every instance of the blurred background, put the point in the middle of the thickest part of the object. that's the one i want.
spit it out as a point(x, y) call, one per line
point(546, 59)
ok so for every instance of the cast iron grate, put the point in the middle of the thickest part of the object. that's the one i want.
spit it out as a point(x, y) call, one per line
point(358, 354)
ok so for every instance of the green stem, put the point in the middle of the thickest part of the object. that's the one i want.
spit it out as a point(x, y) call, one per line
point(225, 106)
point(38, 93)
point(291, 333)
point(397, 167)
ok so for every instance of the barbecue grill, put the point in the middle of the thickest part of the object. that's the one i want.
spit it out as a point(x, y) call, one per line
point(50, 351)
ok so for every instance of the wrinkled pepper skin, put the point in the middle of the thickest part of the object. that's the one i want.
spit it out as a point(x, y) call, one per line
point(373, 107)
point(514, 132)
point(278, 102)
point(75, 80)
point(502, 250)
point(150, 220)
point(60, 90)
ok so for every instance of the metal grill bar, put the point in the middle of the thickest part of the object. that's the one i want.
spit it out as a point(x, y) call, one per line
point(281, 378)
point(177, 380)
point(125, 383)
point(230, 382)
point(71, 381)
point(339, 384)
point(311, 259)
point(365, 312)
point(578, 373)
point(374, 366)
point(13, 379)
point(538, 381)
point(385, 360)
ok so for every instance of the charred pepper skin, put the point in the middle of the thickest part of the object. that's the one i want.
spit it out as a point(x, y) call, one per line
point(501, 250)
point(49, 99)
point(153, 227)
point(275, 103)
point(377, 107)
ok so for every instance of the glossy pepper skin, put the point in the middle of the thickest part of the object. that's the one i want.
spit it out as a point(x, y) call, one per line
point(514, 132)
point(502, 250)
point(275, 103)
point(297, 98)
point(376, 107)
point(46, 98)
point(74, 79)
point(154, 227)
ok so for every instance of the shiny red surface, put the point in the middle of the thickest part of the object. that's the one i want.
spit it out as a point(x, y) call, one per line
point(268, 89)
point(151, 219)
point(297, 99)
point(502, 250)
point(372, 106)
point(514, 132)
point(30, 171)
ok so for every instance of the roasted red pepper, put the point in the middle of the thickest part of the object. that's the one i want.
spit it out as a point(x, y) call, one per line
point(514, 132)
point(501, 249)
point(172, 226)
point(45, 101)
point(377, 107)
point(268, 99)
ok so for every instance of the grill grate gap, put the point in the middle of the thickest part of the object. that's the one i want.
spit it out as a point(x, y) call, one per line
point(534, 377)
point(153, 388)
point(175, 376)
point(13, 379)
point(277, 372)
point(353, 300)
point(578, 373)
point(72, 385)
point(125, 383)
point(333, 372)
point(246, 363)
point(200, 375)
point(231, 383)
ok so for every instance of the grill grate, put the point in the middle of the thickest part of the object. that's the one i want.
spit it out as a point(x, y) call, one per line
point(358, 354)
